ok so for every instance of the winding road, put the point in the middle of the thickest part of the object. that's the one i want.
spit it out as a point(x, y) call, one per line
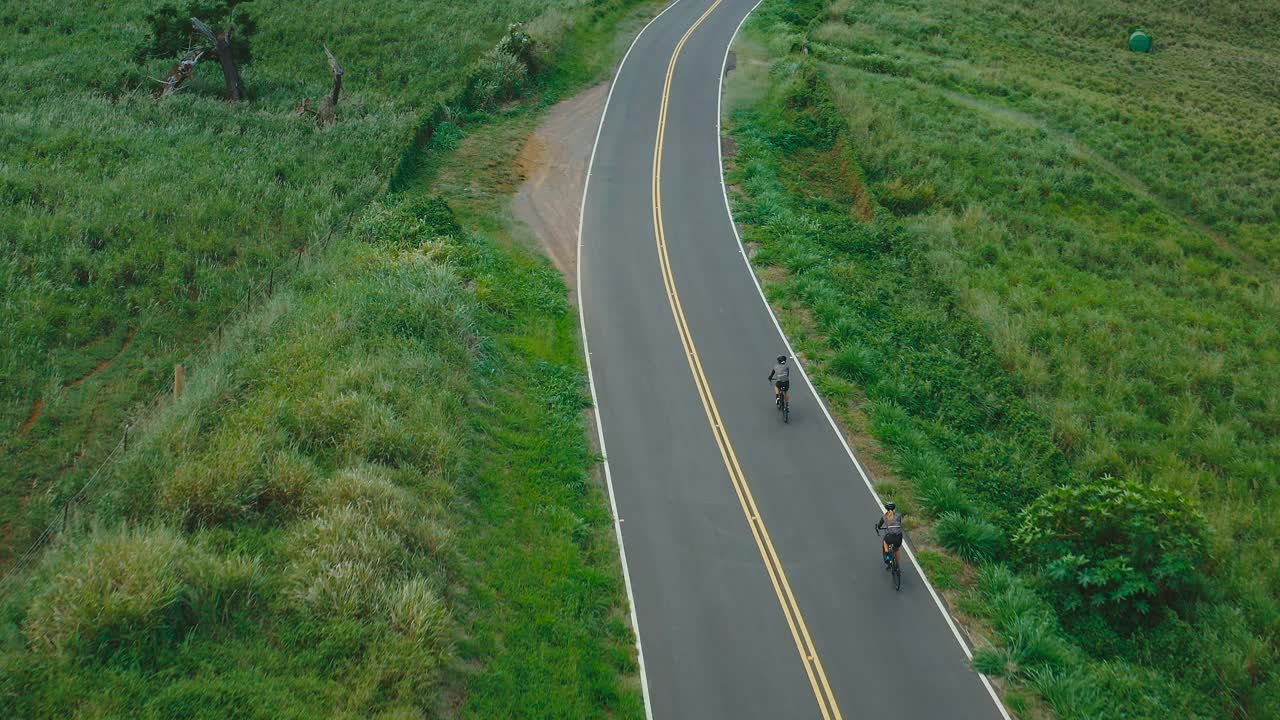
point(752, 566)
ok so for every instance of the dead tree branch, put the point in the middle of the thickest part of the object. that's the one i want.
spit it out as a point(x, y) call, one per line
point(221, 43)
point(327, 113)
point(181, 72)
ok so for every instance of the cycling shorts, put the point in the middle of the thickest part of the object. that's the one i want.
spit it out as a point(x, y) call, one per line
point(893, 539)
point(783, 385)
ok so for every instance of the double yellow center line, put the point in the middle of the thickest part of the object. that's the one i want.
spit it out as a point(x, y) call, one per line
point(773, 565)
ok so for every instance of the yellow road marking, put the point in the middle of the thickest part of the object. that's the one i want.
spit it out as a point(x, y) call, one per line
point(772, 563)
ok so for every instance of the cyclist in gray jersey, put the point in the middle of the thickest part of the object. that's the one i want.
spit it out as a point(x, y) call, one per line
point(891, 523)
point(781, 377)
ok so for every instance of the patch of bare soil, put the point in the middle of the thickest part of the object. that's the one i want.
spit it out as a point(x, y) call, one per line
point(38, 407)
point(553, 165)
point(128, 340)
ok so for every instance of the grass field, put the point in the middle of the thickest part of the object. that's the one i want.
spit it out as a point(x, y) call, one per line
point(129, 226)
point(373, 498)
point(403, 539)
point(1023, 256)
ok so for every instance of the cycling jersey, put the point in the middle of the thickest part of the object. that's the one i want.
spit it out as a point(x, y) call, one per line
point(892, 524)
point(781, 373)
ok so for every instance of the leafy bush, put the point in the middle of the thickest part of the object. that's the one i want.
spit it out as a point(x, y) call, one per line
point(171, 33)
point(1119, 548)
point(972, 538)
point(520, 45)
point(505, 71)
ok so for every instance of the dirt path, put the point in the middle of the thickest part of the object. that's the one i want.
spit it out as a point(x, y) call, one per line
point(553, 164)
point(38, 407)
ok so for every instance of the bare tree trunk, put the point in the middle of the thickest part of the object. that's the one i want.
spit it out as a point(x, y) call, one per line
point(327, 113)
point(222, 46)
point(181, 72)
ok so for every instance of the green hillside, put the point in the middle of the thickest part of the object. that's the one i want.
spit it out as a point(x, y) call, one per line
point(131, 226)
point(1021, 256)
point(373, 496)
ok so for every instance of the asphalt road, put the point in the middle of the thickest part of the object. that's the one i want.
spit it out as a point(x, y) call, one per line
point(749, 544)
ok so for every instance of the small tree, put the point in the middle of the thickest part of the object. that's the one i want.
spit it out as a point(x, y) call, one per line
point(504, 71)
point(1117, 548)
point(174, 33)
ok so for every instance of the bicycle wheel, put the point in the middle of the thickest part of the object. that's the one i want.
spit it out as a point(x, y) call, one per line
point(786, 411)
point(897, 577)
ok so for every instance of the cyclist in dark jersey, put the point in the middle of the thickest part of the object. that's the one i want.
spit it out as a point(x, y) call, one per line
point(781, 377)
point(891, 523)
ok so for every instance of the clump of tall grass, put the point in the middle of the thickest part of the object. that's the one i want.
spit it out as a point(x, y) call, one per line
point(973, 538)
point(133, 591)
point(217, 485)
point(115, 590)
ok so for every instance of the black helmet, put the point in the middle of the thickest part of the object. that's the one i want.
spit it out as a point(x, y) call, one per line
point(782, 359)
point(891, 505)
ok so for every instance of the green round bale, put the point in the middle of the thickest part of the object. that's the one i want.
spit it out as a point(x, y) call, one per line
point(1140, 41)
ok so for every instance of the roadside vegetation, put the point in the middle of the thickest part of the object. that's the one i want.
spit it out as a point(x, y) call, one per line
point(1053, 303)
point(132, 225)
point(373, 497)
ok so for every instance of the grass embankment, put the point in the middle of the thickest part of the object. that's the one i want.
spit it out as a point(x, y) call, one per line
point(131, 226)
point(391, 451)
point(373, 500)
point(1017, 274)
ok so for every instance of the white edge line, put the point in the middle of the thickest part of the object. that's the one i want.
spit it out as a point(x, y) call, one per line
point(586, 353)
point(835, 428)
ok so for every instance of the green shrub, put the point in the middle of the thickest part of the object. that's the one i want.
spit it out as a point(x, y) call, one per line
point(520, 45)
point(1115, 547)
point(972, 538)
point(506, 71)
point(170, 31)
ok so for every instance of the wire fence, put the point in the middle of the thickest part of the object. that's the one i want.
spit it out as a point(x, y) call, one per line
point(257, 292)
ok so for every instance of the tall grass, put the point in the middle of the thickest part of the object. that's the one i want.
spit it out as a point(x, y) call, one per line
point(1031, 305)
point(123, 216)
point(353, 509)
point(300, 509)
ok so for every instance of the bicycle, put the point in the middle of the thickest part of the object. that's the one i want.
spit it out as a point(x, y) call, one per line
point(892, 559)
point(783, 404)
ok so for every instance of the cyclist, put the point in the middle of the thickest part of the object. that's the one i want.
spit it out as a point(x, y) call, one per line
point(781, 377)
point(891, 523)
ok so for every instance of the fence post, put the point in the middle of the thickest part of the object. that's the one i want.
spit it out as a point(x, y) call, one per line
point(177, 381)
